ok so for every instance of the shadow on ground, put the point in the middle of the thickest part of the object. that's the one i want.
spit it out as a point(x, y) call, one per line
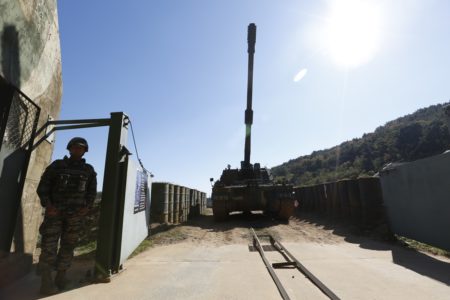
point(380, 238)
point(80, 275)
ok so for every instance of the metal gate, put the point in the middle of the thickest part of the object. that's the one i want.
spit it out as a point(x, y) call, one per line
point(19, 117)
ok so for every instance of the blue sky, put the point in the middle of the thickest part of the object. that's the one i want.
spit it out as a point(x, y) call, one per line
point(179, 70)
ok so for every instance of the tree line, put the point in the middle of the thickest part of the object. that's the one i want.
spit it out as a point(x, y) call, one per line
point(418, 135)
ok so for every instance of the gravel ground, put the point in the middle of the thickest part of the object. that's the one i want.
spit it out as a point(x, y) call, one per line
point(236, 230)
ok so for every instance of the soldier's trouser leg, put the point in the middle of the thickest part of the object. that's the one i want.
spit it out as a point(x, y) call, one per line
point(50, 231)
point(72, 225)
point(47, 285)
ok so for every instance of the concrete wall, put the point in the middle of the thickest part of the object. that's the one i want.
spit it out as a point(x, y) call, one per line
point(30, 58)
point(417, 199)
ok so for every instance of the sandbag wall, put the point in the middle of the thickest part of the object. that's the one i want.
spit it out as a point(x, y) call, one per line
point(174, 204)
point(358, 200)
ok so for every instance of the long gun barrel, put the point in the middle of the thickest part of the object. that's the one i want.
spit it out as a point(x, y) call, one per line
point(251, 40)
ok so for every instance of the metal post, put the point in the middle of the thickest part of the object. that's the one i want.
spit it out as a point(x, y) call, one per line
point(106, 245)
point(118, 228)
point(10, 205)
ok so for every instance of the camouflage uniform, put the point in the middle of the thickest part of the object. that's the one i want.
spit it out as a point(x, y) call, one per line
point(68, 185)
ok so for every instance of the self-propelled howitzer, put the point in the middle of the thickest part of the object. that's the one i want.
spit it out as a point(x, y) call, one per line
point(250, 188)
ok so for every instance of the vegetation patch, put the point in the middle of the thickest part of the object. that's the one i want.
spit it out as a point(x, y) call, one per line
point(413, 244)
point(171, 236)
point(146, 244)
point(86, 250)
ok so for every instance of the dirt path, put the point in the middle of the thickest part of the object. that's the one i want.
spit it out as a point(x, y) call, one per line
point(237, 231)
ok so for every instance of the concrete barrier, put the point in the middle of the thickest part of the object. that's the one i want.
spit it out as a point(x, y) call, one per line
point(417, 201)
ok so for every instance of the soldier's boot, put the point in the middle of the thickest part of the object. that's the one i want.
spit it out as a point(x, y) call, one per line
point(38, 269)
point(61, 280)
point(47, 285)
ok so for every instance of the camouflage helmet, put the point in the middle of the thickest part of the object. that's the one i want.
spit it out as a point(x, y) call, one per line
point(78, 141)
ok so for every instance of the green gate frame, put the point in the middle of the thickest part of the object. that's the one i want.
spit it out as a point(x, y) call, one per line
point(113, 192)
point(113, 196)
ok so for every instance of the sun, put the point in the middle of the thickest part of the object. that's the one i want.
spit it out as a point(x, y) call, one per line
point(352, 33)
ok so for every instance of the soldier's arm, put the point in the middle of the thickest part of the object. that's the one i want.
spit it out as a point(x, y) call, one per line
point(45, 185)
point(91, 191)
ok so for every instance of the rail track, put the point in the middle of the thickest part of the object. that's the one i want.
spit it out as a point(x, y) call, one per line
point(291, 261)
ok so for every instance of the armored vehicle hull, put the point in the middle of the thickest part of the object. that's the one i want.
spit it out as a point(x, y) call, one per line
point(273, 200)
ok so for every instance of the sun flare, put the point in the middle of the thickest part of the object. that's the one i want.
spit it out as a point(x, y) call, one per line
point(352, 35)
point(300, 75)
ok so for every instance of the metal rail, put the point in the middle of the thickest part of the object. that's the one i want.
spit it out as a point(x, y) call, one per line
point(291, 261)
point(275, 278)
point(76, 124)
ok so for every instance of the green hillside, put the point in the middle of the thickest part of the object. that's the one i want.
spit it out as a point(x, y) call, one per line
point(418, 135)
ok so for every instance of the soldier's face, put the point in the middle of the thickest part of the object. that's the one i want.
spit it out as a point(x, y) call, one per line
point(77, 151)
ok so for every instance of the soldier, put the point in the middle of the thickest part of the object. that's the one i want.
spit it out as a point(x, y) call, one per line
point(67, 191)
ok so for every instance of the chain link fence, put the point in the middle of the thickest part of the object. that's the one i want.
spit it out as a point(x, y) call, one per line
point(22, 122)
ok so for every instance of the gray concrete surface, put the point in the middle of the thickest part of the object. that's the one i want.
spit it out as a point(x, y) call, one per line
point(30, 58)
point(415, 196)
point(196, 271)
